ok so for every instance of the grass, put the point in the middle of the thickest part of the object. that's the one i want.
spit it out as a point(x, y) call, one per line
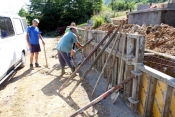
point(98, 20)
point(82, 25)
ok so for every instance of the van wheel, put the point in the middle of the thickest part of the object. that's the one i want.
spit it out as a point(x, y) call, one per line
point(23, 60)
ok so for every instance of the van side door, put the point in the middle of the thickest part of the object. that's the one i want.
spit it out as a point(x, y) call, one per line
point(7, 46)
point(20, 38)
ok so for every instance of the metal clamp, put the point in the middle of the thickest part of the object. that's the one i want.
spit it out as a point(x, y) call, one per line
point(132, 101)
point(136, 73)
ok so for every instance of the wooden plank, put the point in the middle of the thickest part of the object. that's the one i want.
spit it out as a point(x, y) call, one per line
point(167, 103)
point(98, 62)
point(143, 93)
point(105, 72)
point(151, 96)
point(114, 70)
point(159, 99)
point(172, 105)
point(128, 86)
point(120, 78)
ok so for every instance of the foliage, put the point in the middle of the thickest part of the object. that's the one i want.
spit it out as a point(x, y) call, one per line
point(57, 13)
point(97, 21)
point(22, 12)
point(82, 25)
point(51, 34)
point(122, 5)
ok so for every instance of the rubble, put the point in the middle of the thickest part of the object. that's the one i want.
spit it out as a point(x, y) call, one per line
point(160, 38)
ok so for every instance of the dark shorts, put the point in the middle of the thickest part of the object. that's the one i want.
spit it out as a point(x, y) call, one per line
point(35, 48)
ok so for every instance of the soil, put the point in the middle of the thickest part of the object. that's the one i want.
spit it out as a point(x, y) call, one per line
point(106, 27)
point(32, 93)
point(160, 38)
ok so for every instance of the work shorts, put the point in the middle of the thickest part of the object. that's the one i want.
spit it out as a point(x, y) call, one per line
point(35, 48)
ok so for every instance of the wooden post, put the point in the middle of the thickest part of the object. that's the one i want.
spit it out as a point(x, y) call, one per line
point(167, 104)
point(128, 87)
point(151, 94)
point(121, 60)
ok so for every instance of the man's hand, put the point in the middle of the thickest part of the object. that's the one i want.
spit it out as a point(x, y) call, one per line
point(73, 52)
point(43, 43)
point(29, 45)
point(82, 46)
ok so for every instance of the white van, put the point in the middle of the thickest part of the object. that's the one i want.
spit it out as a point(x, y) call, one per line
point(13, 46)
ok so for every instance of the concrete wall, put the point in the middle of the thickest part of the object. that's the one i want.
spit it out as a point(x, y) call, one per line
point(153, 16)
point(142, 6)
point(154, 90)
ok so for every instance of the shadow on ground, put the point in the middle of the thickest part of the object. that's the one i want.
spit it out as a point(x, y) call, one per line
point(13, 79)
point(50, 90)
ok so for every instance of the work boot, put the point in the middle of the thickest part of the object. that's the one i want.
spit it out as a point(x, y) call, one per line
point(37, 65)
point(31, 66)
point(62, 71)
point(73, 69)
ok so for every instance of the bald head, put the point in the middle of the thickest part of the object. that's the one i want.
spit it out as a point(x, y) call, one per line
point(73, 24)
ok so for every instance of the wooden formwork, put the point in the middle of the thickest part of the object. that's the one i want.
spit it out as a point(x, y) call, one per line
point(154, 90)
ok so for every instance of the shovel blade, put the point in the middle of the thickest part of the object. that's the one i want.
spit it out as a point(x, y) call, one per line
point(114, 96)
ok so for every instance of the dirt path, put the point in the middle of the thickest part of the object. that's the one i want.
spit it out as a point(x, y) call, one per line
point(32, 93)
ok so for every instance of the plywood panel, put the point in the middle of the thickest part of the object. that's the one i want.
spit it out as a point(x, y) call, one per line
point(172, 105)
point(143, 93)
point(159, 99)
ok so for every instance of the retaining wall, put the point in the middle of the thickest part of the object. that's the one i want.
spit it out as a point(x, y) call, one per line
point(152, 16)
point(154, 90)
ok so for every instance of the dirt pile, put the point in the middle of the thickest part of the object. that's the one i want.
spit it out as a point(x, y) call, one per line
point(106, 27)
point(160, 38)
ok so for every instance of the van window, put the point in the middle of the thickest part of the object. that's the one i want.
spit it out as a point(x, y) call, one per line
point(18, 26)
point(9, 26)
point(3, 28)
point(24, 24)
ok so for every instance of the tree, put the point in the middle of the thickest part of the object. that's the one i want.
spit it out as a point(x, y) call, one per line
point(22, 12)
point(55, 13)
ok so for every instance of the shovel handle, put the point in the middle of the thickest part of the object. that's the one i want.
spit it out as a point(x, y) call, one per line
point(45, 56)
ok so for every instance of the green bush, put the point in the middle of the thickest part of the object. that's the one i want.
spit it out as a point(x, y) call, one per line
point(98, 21)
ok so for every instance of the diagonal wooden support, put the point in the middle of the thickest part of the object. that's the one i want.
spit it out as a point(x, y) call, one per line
point(103, 96)
point(95, 60)
point(111, 68)
point(107, 60)
point(85, 60)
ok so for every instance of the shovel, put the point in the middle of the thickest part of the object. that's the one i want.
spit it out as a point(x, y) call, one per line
point(114, 96)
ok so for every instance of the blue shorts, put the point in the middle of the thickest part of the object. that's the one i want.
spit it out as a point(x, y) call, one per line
point(35, 48)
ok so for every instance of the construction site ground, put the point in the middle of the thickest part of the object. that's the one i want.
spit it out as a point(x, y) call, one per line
point(32, 93)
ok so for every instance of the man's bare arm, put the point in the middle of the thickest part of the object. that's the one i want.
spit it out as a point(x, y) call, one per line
point(78, 37)
point(79, 45)
point(41, 39)
point(27, 39)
